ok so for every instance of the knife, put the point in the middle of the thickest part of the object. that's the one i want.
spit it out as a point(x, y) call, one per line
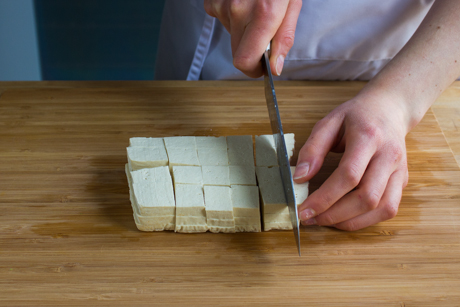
point(280, 143)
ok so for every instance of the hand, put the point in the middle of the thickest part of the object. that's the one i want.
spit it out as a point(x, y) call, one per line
point(252, 24)
point(367, 185)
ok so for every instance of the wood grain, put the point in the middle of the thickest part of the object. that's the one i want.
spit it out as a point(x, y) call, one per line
point(67, 235)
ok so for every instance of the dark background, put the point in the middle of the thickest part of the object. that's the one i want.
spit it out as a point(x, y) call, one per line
point(98, 39)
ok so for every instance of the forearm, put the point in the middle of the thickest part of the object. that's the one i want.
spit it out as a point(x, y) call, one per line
point(427, 64)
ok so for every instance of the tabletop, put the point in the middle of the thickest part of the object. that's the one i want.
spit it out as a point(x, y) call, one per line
point(67, 234)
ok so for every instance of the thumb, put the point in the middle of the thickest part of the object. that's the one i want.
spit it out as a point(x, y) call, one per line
point(283, 40)
point(311, 156)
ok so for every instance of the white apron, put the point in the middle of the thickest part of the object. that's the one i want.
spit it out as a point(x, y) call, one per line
point(335, 40)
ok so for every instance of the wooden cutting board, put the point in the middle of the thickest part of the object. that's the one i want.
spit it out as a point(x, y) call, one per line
point(67, 234)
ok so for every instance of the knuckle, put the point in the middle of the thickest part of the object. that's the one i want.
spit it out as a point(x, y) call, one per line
point(371, 200)
point(325, 219)
point(390, 210)
point(243, 63)
point(395, 151)
point(349, 226)
point(352, 175)
point(235, 9)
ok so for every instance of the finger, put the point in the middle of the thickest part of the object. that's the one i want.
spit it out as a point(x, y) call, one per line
point(239, 17)
point(387, 208)
point(311, 156)
point(257, 35)
point(358, 153)
point(284, 38)
point(366, 197)
point(216, 8)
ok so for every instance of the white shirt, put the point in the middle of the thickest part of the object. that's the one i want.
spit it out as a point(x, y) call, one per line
point(335, 40)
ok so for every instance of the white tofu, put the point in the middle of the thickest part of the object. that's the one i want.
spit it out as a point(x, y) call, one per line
point(300, 190)
point(217, 229)
point(154, 223)
point(242, 175)
point(266, 150)
point(146, 142)
point(180, 142)
point(189, 200)
point(290, 144)
point(271, 188)
point(215, 175)
point(245, 201)
point(182, 156)
point(146, 157)
point(191, 228)
point(211, 142)
point(278, 226)
point(190, 221)
point(240, 150)
point(153, 191)
point(218, 202)
point(187, 175)
point(212, 156)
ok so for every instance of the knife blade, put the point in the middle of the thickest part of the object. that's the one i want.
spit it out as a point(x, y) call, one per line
point(280, 143)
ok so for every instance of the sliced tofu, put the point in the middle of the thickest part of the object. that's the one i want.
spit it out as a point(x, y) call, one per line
point(211, 142)
point(146, 157)
point(219, 210)
point(182, 156)
point(180, 142)
point(278, 226)
point(246, 208)
point(146, 142)
point(155, 223)
point(266, 149)
point(187, 175)
point(153, 191)
point(216, 175)
point(242, 175)
point(190, 209)
point(240, 150)
point(300, 190)
point(212, 156)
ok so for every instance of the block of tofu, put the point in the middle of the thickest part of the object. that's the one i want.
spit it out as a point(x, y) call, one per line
point(300, 190)
point(216, 175)
point(146, 142)
point(211, 142)
point(217, 229)
point(182, 156)
point(266, 149)
point(242, 175)
point(245, 201)
point(212, 156)
point(271, 189)
point(218, 202)
point(278, 226)
point(153, 193)
point(277, 218)
point(180, 142)
point(146, 157)
point(240, 150)
point(220, 223)
point(190, 209)
point(187, 175)
point(155, 223)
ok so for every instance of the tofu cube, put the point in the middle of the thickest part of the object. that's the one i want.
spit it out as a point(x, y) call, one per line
point(300, 190)
point(240, 150)
point(245, 201)
point(219, 210)
point(211, 142)
point(146, 157)
point(180, 142)
point(182, 156)
point(146, 142)
point(242, 175)
point(212, 156)
point(266, 149)
point(216, 175)
point(187, 175)
point(190, 209)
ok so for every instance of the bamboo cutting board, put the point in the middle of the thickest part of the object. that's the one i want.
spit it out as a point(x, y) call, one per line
point(67, 234)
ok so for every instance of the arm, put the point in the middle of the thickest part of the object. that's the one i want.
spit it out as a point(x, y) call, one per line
point(371, 128)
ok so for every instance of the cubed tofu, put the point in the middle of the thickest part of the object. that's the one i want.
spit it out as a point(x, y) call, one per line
point(155, 223)
point(218, 202)
point(266, 150)
point(211, 142)
point(182, 156)
point(212, 156)
point(240, 150)
point(242, 175)
point(216, 175)
point(187, 175)
point(271, 188)
point(278, 226)
point(245, 201)
point(146, 157)
point(153, 191)
point(180, 142)
point(189, 200)
point(146, 142)
point(300, 190)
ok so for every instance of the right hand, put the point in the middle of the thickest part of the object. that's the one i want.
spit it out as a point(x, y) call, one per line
point(252, 24)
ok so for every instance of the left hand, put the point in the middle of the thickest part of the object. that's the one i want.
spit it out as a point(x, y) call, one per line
point(367, 185)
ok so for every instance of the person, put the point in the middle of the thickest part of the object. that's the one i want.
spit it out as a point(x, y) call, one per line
point(408, 49)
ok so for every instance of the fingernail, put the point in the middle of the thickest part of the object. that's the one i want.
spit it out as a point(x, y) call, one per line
point(301, 170)
point(279, 64)
point(307, 214)
point(309, 222)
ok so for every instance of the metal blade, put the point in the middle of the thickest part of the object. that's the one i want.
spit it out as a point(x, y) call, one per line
point(278, 135)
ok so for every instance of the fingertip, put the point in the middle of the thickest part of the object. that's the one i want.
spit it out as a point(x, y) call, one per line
point(301, 171)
